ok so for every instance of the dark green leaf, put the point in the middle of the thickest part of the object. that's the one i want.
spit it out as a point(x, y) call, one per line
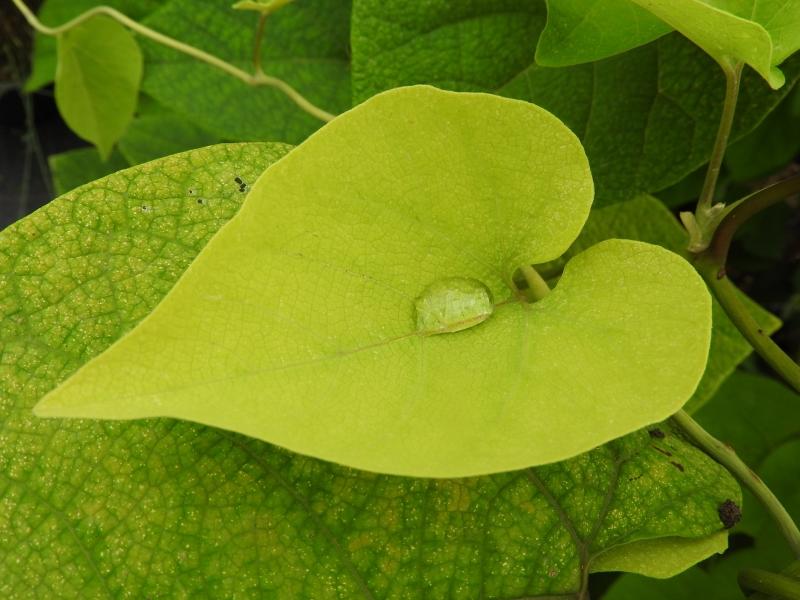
point(74, 168)
point(305, 44)
point(647, 118)
point(58, 12)
point(157, 131)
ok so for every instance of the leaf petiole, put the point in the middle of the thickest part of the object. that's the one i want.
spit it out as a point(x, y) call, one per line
point(537, 286)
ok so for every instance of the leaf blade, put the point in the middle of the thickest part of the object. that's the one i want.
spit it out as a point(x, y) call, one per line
point(97, 80)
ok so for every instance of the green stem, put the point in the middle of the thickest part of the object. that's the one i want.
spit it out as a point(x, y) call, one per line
point(733, 77)
point(250, 79)
point(728, 297)
point(779, 587)
point(262, 19)
point(727, 457)
point(537, 286)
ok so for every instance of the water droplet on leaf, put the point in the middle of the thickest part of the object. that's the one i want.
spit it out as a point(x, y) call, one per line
point(452, 304)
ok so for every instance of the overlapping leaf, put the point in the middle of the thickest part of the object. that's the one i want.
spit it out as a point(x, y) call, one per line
point(301, 312)
point(759, 33)
point(647, 118)
point(760, 418)
point(163, 508)
point(580, 31)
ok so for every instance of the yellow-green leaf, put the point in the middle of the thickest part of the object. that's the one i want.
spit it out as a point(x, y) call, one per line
point(300, 313)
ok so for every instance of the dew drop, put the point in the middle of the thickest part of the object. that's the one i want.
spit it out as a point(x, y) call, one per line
point(452, 304)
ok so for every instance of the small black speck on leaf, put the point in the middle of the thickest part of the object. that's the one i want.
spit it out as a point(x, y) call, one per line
point(661, 450)
point(729, 513)
point(657, 434)
point(238, 180)
point(201, 201)
point(678, 466)
point(243, 188)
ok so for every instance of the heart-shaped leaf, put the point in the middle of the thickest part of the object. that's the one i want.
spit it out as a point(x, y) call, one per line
point(301, 313)
point(97, 80)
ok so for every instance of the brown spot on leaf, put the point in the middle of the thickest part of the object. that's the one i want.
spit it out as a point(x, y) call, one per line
point(729, 513)
point(678, 466)
point(657, 433)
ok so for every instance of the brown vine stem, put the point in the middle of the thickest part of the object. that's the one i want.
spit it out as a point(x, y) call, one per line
point(255, 79)
point(727, 457)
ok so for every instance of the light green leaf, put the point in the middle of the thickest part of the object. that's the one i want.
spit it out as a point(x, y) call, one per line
point(646, 118)
point(733, 31)
point(337, 241)
point(74, 168)
point(646, 219)
point(97, 80)
point(305, 44)
point(162, 508)
point(58, 12)
point(156, 131)
point(661, 557)
point(580, 31)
